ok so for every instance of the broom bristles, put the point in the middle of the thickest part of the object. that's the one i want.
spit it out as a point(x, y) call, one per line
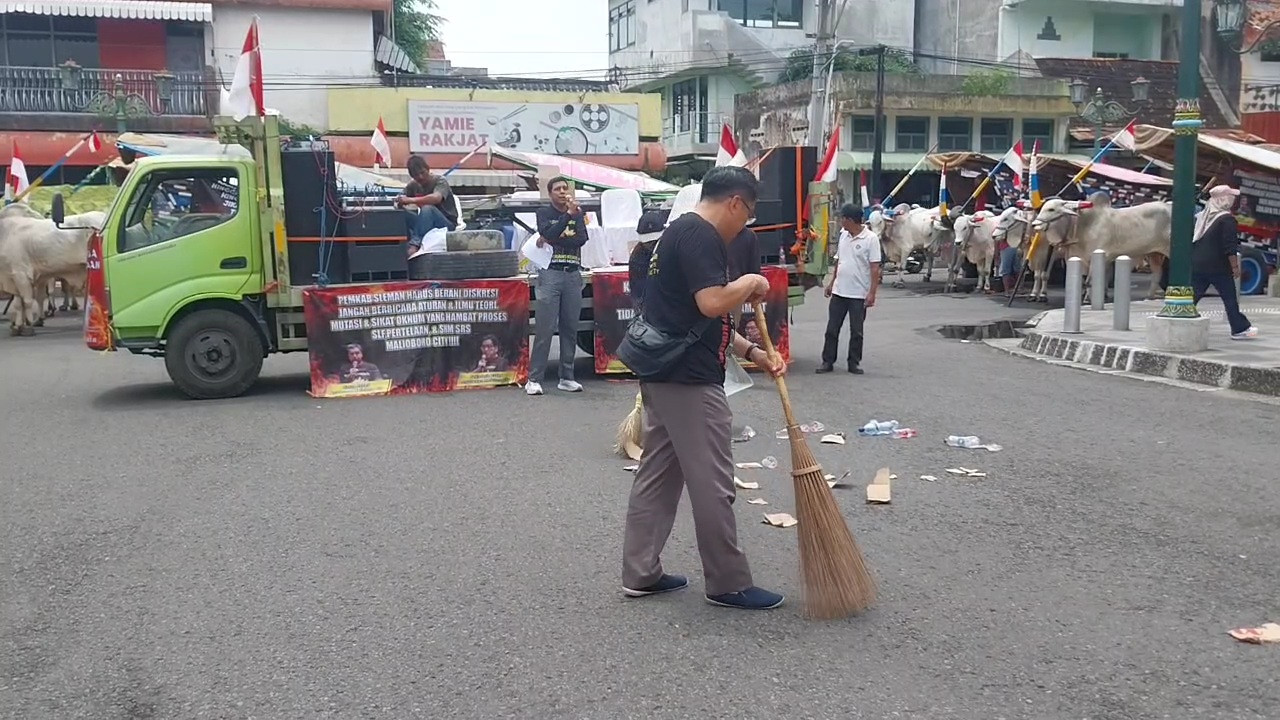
point(834, 575)
point(630, 430)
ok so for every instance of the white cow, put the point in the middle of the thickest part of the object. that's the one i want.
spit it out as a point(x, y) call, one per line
point(34, 252)
point(907, 229)
point(1014, 227)
point(1138, 231)
point(975, 242)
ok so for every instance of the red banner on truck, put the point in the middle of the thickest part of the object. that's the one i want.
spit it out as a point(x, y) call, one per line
point(97, 319)
point(611, 302)
point(417, 337)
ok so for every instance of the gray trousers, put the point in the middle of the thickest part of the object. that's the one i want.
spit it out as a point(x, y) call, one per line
point(686, 444)
point(558, 306)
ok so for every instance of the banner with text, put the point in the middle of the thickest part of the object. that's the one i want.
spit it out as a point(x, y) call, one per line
point(555, 128)
point(417, 337)
point(611, 301)
point(776, 314)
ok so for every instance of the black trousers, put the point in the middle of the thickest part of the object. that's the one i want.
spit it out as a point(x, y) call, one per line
point(856, 310)
point(1226, 287)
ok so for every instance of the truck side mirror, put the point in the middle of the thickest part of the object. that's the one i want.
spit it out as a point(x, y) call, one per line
point(59, 211)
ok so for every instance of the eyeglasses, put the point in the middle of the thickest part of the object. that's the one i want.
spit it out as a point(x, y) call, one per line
point(751, 209)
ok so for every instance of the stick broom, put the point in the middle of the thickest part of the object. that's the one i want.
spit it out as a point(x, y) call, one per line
point(835, 579)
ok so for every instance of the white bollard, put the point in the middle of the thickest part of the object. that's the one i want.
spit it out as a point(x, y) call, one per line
point(1098, 280)
point(1120, 310)
point(1071, 320)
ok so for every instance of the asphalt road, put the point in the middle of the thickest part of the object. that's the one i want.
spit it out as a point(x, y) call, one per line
point(276, 556)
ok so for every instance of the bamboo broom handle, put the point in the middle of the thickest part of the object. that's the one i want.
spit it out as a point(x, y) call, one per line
point(768, 348)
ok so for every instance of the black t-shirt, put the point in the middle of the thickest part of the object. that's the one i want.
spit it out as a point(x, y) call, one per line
point(639, 272)
point(689, 257)
point(1209, 254)
point(438, 185)
point(744, 255)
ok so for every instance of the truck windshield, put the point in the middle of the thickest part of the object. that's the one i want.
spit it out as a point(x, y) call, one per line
point(171, 205)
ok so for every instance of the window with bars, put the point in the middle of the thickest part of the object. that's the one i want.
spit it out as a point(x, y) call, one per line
point(996, 135)
point(955, 134)
point(1037, 130)
point(622, 26)
point(48, 41)
point(912, 134)
point(862, 134)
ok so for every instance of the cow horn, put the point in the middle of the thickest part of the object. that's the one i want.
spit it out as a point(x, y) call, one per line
point(1084, 205)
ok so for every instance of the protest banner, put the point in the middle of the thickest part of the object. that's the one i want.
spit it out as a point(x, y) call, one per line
point(417, 337)
point(776, 312)
point(611, 302)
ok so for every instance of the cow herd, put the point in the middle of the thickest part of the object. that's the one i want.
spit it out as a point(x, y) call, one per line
point(34, 255)
point(1065, 228)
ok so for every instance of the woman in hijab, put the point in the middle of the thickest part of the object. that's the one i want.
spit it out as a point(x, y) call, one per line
point(1214, 260)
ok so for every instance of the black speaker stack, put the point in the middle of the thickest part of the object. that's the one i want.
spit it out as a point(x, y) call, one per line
point(777, 202)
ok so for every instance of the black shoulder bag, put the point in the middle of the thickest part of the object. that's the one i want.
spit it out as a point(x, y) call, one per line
point(649, 351)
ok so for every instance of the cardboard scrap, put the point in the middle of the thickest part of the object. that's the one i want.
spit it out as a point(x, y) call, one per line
point(749, 466)
point(1267, 633)
point(631, 468)
point(632, 450)
point(929, 478)
point(878, 490)
point(833, 439)
point(957, 471)
point(758, 501)
point(744, 485)
point(834, 482)
point(781, 520)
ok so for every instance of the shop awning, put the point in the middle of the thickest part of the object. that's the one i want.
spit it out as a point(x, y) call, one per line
point(122, 9)
point(889, 162)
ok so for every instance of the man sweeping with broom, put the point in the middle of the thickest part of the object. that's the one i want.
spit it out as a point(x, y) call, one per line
point(678, 349)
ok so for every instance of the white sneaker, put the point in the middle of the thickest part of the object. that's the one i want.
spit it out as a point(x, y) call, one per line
point(532, 388)
point(1249, 334)
point(569, 386)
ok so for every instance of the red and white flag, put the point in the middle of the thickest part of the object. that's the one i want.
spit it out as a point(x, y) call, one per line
point(95, 142)
point(1013, 161)
point(16, 179)
point(381, 148)
point(1128, 137)
point(729, 154)
point(245, 96)
point(827, 171)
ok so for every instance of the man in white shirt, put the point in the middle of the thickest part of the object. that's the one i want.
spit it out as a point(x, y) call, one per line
point(852, 288)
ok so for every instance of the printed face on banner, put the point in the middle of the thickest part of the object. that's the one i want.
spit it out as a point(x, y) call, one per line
point(554, 128)
point(414, 337)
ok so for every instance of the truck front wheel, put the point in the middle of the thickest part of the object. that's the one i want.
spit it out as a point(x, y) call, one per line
point(213, 354)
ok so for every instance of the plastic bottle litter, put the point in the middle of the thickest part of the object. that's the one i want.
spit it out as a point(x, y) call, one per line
point(876, 427)
point(902, 433)
point(747, 434)
point(813, 427)
point(964, 441)
point(770, 462)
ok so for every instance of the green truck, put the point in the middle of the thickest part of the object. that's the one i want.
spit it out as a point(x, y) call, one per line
point(208, 289)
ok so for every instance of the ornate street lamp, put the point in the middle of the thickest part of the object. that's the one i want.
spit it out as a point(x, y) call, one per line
point(1229, 17)
point(164, 87)
point(69, 74)
point(1101, 111)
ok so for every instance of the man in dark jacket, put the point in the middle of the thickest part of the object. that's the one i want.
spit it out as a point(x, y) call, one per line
point(558, 289)
point(1214, 260)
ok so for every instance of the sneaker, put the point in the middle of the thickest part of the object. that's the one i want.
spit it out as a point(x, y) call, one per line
point(753, 598)
point(1248, 334)
point(824, 369)
point(855, 370)
point(569, 386)
point(533, 388)
point(665, 584)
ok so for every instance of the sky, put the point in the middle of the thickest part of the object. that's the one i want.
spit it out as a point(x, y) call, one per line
point(571, 40)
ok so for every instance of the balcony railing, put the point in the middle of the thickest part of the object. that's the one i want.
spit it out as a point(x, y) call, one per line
point(97, 92)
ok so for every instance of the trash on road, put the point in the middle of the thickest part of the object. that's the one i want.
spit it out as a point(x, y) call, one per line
point(929, 478)
point(781, 520)
point(757, 501)
point(746, 434)
point(770, 462)
point(812, 428)
point(632, 450)
point(749, 466)
point(970, 442)
point(878, 490)
point(1267, 633)
point(903, 433)
point(631, 468)
point(834, 482)
point(876, 427)
point(833, 439)
point(744, 485)
point(957, 471)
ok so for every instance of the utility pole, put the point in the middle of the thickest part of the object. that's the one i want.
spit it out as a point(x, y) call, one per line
point(878, 151)
point(821, 51)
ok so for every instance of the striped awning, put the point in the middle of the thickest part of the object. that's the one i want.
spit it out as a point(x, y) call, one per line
point(889, 162)
point(122, 9)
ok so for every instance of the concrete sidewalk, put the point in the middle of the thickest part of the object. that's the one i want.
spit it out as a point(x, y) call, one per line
point(1244, 365)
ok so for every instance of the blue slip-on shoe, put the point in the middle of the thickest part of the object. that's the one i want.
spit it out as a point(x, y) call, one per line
point(665, 584)
point(753, 598)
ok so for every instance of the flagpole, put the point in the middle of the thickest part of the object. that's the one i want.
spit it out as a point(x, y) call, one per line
point(47, 173)
point(465, 158)
point(903, 183)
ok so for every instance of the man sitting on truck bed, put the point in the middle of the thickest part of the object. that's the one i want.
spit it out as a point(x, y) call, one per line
point(433, 198)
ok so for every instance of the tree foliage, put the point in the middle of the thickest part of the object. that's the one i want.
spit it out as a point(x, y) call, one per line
point(800, 63)
point(987, 83)
point(416, 24)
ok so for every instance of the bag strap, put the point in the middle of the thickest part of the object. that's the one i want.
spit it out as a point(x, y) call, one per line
point(695, 332)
